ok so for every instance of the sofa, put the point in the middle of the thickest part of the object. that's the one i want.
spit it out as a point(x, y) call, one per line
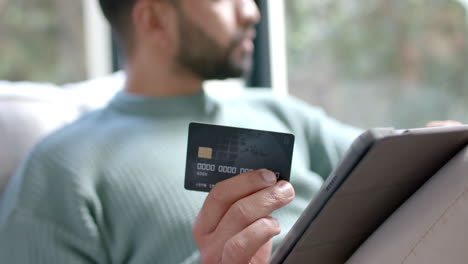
point(29, 111)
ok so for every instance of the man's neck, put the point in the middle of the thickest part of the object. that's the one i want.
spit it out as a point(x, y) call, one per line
point(156, 81)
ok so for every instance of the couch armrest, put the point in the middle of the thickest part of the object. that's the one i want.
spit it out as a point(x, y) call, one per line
point(26, 115)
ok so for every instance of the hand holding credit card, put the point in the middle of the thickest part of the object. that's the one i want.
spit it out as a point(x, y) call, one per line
point(216, 153)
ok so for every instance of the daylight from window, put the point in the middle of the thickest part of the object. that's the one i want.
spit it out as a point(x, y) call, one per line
point(380, 62)
point(42, 41)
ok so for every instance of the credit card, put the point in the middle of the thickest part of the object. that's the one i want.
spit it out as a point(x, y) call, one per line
point(216, 153)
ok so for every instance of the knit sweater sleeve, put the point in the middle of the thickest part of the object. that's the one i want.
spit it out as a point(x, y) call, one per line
point(321, 141)
point(50, 224)
point(327, 138)
point(331, 140)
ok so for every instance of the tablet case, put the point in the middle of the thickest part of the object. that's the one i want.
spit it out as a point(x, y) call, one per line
point(380, 171)
point(430, 227)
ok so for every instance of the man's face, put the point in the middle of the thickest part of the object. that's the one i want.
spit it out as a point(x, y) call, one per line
point(216, 37)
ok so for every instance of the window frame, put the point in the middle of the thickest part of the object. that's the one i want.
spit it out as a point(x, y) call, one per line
point(98, 42)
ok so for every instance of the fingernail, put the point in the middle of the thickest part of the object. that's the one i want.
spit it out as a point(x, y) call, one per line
point(286, 188)
point(269, 177)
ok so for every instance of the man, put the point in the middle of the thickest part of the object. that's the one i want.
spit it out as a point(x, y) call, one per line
point(109, 188)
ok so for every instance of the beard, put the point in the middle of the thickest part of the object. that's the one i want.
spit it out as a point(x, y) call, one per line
point(202, 55)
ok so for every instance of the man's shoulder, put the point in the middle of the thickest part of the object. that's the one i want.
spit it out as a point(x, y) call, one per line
point(241, 95)
point(266, 98)
point(72, 137)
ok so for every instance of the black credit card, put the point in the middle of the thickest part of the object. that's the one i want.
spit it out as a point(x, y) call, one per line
point(216, 153)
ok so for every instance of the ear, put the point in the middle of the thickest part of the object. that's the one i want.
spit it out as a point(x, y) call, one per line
point(155, 21)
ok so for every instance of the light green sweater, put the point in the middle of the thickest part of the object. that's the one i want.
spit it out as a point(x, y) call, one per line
point(110, 187)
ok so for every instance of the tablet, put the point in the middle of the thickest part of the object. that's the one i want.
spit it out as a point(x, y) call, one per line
point(382, 168)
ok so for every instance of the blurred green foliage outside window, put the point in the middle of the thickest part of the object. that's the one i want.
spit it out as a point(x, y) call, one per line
point(42, 41)
point(380, 62)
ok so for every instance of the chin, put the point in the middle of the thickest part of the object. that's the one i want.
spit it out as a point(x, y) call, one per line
point(242, 65)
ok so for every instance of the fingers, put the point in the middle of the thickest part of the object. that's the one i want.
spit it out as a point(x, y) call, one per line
point(253, 244)
point(233, 225)
point(254, 207)
point(226, 193)
point(443, 123)
point(263, 254)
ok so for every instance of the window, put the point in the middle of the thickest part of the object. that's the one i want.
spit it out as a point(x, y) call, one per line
point(51, 41)
point(380, 62)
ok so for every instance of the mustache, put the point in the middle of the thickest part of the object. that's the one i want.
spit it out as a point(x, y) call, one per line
point(248, 33)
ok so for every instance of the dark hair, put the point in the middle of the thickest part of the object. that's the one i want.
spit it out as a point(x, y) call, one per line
point(119, 15)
